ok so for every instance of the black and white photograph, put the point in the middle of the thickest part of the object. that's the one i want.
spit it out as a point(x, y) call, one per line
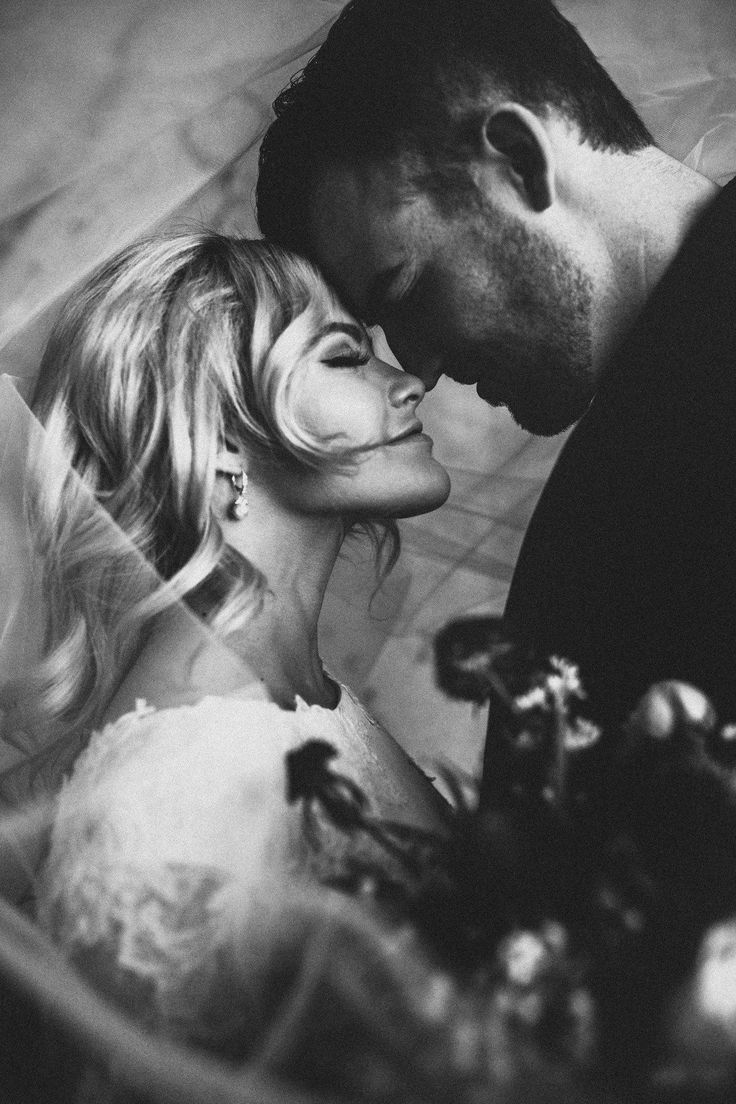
point(368, 552)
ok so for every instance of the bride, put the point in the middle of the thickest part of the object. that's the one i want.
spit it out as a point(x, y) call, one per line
point(235, 424)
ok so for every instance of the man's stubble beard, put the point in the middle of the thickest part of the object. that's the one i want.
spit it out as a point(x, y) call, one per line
point(550, 364)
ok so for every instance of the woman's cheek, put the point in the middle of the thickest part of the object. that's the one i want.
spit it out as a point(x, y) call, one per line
point(353, 412)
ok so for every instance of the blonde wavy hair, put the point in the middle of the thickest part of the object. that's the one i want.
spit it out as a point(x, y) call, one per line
point(176, 347)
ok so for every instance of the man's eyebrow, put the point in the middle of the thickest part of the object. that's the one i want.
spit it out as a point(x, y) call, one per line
point(377, 290)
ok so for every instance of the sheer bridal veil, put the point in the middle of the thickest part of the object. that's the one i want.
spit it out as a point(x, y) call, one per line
point(322, 954)
point(119, 117)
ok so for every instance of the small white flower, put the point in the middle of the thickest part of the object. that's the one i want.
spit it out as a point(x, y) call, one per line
point(581, 733)
point(536, 698)
point(524, 955)
point(555, 690)
point(568, 677)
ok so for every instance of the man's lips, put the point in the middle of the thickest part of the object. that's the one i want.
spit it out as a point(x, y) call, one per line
point(492, 391)
point(484, 375)
point(492, 386)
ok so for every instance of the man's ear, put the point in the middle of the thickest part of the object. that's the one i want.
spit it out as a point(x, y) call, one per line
point(516, 133)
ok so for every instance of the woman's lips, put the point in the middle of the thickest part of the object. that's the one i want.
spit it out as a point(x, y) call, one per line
point(416, 436)
point(414, 430)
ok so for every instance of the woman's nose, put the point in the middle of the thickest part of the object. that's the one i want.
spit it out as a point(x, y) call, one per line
point(405, 388)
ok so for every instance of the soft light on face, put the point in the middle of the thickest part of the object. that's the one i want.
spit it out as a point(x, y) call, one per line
point(357, 404)
point(477, 296)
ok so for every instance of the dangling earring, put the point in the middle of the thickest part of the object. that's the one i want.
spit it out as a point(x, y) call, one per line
point(239, 505)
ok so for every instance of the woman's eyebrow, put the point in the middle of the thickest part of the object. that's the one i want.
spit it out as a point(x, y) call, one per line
point(350, 329)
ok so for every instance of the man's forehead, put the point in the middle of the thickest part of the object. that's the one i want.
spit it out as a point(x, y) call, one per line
point(360, 225)
point(378, 185)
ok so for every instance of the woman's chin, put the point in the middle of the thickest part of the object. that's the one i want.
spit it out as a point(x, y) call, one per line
point(425, 499)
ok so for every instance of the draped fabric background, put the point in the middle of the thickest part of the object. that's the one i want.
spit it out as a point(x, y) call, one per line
point(120, 116)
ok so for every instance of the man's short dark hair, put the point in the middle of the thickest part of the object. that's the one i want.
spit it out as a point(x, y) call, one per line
point(404, 81)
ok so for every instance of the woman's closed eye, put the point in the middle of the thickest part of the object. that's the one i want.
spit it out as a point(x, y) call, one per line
point(348, 356)
point(344, 345)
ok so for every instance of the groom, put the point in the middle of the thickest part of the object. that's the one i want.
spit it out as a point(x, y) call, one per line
point(470, 178)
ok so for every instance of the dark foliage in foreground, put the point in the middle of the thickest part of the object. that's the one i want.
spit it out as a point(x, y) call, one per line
point(592, 888)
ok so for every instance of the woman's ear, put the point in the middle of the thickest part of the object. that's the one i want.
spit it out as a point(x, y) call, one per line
point(517, 134)
point(230, 460)
point(230, 499)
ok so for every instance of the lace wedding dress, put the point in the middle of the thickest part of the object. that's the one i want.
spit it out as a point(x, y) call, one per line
point(175, 847)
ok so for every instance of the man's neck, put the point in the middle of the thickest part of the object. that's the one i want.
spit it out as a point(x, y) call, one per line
point(648, 204)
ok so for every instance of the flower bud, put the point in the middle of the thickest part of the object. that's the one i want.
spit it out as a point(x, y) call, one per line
point(670, 708)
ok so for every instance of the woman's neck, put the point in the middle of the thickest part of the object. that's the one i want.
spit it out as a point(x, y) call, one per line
point(296, 553)
point(275, 653)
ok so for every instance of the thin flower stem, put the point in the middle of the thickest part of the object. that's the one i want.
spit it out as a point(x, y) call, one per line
point(558, 772)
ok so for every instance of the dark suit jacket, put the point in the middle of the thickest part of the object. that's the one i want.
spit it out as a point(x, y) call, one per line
point(629, 565)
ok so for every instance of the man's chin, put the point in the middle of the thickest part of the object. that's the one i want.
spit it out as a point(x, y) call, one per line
point(542, 422)
point(547, 423)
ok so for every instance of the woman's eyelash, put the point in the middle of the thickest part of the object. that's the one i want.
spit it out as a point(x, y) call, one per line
point(348, 360)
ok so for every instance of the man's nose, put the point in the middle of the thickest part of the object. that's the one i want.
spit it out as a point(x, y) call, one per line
point(429, 370)
point(424, 366)
point(413, 357)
